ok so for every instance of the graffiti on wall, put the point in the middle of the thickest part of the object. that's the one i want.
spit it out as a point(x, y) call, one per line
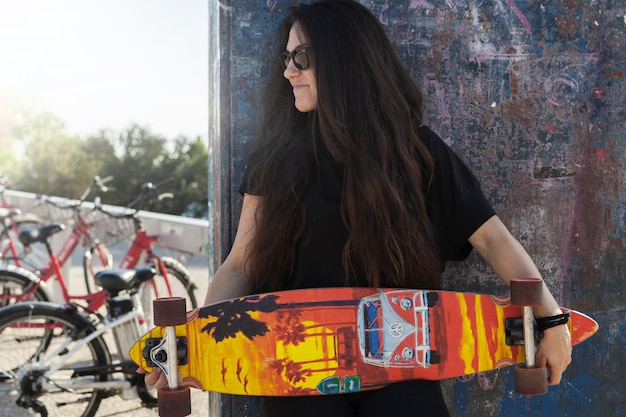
point(532, 95)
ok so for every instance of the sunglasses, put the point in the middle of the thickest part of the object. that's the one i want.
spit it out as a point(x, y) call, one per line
point(300, 57)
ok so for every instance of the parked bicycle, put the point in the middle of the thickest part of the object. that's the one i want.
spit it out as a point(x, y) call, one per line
point(11, 250)
point(58, 361)
point(62, 360)
point(19, 284)
point(173, 278)
point(12, 220)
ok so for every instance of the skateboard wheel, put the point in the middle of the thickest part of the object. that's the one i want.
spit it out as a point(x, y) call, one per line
point(531, 381)
point(174, 402)
point(170, 311)
point(526, 292)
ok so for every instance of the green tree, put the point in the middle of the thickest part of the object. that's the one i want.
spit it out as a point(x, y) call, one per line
point(55, 163)
point(59, 164)
point(12, 111)
point(140, 156)
point(191, 173)
point(145, 157)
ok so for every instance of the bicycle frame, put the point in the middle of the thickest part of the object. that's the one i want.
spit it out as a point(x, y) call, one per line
point(57, 358)
point(54, 268)
point(11, 221)
point(80, 230)
point(94, 300)
point(142, 243)
point(12, 252)
point(8, 225)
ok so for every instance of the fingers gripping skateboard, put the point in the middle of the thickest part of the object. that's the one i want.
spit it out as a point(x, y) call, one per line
point(173, 401)
point(529, 378)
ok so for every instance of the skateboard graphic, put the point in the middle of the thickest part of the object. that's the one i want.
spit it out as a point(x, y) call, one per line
point(339, 340)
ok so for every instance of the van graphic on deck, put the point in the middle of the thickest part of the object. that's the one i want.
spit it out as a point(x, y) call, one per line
point(393, 329)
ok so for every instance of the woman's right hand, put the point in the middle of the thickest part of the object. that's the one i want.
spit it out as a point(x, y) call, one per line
point(157, 378)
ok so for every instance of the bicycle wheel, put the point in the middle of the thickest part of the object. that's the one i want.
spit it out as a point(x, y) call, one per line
point(96, 258)
point(30, 334)
point(16, 287)
point(181, 285)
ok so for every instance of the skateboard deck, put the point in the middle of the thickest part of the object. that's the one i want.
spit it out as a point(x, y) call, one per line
point(339, 340)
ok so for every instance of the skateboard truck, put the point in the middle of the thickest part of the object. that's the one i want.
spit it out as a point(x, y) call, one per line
point(514, 327)
point(529, 378)
point(155, 354)
point(173, 401)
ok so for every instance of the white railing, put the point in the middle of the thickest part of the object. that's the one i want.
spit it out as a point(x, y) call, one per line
point(183, 234)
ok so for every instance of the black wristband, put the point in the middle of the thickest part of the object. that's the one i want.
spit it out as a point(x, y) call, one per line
point(544, 323)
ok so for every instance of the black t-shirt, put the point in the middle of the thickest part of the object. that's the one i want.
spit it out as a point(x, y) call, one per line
point(456, 207)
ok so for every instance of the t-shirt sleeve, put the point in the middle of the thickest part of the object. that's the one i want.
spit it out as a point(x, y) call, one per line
point(456, 204)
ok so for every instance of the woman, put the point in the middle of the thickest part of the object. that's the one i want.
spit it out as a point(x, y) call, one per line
point(347, 188)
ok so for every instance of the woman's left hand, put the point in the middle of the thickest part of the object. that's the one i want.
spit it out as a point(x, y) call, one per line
point(554, 352)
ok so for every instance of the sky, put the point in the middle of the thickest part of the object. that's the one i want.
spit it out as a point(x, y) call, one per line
point(104, 64)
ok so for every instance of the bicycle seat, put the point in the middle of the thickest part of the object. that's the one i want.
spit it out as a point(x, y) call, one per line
point(6, 213)
point(115, 280)
point(40, 234)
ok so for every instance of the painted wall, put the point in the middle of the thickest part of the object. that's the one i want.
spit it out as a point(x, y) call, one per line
point(532, 95)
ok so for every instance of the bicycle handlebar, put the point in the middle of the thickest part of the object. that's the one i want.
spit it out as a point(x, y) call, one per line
point(98, 183)
point(150, 190)
point(148, 186)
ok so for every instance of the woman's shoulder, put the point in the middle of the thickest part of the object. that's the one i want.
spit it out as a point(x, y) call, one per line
point(427, 135)
point(431, 140)
point(443, 155)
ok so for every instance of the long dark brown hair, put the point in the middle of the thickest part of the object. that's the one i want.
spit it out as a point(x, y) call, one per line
point(369, 110)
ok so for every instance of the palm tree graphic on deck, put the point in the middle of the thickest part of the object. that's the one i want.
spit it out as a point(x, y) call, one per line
point(284, 320)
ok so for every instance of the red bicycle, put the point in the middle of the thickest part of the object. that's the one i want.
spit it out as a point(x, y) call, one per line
point(12, 220)
point(20, 284)
point(173, 278)
point(10, 249)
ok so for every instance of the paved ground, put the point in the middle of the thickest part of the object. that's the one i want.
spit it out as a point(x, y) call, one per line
point(116, 406)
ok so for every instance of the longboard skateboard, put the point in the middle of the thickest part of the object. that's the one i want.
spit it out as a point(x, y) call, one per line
point(339, 340)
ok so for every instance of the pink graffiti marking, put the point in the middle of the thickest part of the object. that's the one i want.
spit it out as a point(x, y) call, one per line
point(520, 16)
